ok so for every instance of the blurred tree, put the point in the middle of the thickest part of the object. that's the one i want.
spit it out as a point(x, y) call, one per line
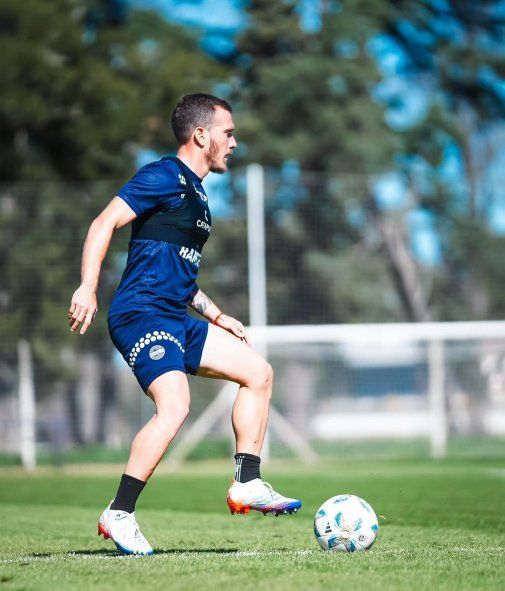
point(85, 84)
point(306, 96)
point(456, 48)
point(96, 89)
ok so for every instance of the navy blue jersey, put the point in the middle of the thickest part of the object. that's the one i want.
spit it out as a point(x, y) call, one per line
point(172, 225)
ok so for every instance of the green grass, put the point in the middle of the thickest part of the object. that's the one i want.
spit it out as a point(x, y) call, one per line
point(443, 527)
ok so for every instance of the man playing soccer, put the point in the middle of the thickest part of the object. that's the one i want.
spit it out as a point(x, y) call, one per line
point(149, 323)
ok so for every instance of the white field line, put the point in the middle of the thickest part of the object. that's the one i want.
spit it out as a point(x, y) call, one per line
point(486, 548)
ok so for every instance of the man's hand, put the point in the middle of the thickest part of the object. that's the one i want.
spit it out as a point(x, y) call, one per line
point(234, 326)
point(82, 309)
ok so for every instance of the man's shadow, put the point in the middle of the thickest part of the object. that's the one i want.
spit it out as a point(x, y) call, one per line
point(114, 553)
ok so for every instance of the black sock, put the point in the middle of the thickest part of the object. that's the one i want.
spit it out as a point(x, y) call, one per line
point(247, 467)
point(127, 494)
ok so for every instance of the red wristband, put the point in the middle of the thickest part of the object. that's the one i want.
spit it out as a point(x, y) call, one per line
point(217, 318)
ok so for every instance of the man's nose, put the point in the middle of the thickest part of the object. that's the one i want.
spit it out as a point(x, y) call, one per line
point(233, 143)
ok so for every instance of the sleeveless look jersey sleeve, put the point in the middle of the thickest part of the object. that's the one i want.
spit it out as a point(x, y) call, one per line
point(154, 186)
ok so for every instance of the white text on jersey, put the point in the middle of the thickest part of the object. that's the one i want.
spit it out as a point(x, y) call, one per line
point(191, 255)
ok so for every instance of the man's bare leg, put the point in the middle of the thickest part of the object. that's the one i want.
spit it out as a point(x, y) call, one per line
point(170, 393)
point(227, 357)
point(171, 396)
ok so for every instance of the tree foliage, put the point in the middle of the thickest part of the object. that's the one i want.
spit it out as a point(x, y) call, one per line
point(85, 85)
point(454, 47)
point(307, 97)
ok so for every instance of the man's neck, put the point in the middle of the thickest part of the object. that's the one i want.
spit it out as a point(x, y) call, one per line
point(193, 161)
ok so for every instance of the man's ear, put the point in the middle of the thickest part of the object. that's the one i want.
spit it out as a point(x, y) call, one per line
point(200, 136)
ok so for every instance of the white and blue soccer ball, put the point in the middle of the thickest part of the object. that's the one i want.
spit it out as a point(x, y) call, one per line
point(345, 523)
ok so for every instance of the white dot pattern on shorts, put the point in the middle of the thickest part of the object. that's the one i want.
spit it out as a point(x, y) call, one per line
point(156, 335)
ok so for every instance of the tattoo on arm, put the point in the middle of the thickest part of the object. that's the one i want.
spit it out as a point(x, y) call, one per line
point(201, 302)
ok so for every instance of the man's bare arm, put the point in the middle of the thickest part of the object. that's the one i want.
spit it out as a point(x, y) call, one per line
point(83, 307)
point(206, 307)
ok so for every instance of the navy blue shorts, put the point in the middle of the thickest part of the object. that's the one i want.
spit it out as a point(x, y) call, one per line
point(153, 343)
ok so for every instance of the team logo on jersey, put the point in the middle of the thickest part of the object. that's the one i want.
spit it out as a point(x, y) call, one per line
point(182, 180)
point(156, 352)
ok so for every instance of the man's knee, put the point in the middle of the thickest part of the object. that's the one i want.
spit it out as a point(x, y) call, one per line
point(260, 379)
point(172, 416)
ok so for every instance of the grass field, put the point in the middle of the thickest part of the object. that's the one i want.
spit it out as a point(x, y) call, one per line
point(442, 526)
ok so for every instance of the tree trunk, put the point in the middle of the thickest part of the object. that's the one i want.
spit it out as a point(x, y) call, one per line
point(405, 271)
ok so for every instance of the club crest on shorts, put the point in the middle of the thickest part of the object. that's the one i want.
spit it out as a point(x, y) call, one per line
point(156, 352)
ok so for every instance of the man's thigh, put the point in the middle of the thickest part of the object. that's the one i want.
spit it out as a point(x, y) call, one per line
point(169, 390)
point(227, 357)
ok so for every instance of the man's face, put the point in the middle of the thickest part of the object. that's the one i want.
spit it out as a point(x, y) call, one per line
point(222, 142)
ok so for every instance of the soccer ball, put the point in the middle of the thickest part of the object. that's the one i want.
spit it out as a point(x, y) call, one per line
point(345, 523)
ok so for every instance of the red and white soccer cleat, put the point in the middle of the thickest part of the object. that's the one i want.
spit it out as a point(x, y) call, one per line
point(124, 531)
point(257, 495)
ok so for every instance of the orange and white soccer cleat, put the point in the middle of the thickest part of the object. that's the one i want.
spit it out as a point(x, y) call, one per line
point(124, 531)
point(257, 495)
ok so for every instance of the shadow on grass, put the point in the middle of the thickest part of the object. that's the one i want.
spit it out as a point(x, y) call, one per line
point(99, 552)
point(111, 552)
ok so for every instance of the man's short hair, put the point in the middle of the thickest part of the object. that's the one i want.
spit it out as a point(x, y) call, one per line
point(195, 110)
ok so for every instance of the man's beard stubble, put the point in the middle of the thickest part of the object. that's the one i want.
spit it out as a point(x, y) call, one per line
point(211, 156)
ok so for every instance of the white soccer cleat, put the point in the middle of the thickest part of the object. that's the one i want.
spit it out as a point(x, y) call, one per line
point(257, 495)
point(124, 531)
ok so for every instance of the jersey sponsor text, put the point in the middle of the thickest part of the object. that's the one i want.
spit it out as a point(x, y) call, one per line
point(204, 225)
point(191, 255)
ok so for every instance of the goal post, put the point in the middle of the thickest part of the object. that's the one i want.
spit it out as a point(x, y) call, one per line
point(373, 341)
point(26, 407)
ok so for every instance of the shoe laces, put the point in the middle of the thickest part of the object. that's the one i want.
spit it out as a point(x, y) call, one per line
point(275, 495)
point(130, 520)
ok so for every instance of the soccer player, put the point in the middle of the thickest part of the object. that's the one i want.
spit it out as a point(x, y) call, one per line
point(149, 324)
